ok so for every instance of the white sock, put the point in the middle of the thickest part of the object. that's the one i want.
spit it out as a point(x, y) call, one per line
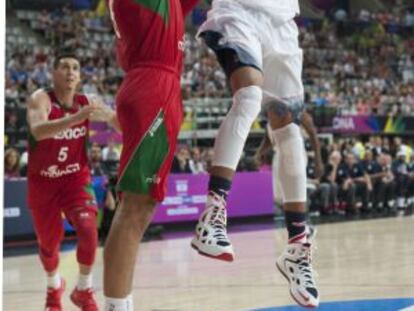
point(130, 303)
point(84, 281)
point(54, 281)
point(116, 304)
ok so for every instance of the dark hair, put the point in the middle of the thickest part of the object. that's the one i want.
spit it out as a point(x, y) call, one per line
point(64, 54)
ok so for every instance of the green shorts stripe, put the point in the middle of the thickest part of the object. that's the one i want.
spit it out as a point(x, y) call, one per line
point(140, 174)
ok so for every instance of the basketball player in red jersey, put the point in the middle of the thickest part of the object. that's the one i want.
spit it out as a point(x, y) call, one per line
point(59, 178)
point(150, 44)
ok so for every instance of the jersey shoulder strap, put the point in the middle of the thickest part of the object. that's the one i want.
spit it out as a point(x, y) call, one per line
point(81, 99)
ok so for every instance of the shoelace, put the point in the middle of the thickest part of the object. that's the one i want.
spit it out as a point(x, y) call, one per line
point(218, 221)
point(305, 260)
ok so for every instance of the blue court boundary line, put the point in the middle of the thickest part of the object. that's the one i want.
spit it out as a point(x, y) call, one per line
point(356, 305)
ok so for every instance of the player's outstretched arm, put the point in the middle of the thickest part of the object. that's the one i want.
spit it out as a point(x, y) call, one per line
point(38, 108)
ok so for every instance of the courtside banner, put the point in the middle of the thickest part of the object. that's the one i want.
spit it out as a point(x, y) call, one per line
point(372, 125)
point(18, 221)
point(187, 194)
point(251, 195)
point(17, 217)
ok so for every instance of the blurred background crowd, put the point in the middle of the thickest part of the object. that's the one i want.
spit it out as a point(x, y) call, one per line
point(357, 62)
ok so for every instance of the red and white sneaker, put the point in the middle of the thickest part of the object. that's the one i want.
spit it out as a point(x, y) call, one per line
point(295, 264)
point(54, 296)
point(211, 235)
point(84, 299)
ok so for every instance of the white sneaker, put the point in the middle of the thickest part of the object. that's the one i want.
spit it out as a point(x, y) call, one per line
point(310, 233)
point(295, 265)
point(211, 236)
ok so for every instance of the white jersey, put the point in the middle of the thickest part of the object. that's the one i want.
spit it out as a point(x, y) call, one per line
point(287, 8)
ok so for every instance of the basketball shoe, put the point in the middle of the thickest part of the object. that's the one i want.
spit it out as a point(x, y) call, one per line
point(84, 299)
point(53, 297)
point(295, 266)
point(211, 235)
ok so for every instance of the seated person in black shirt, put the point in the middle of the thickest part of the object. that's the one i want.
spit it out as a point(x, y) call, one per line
point(328, 186)
point(402, 178)
point(375, 173)
point(354, 183)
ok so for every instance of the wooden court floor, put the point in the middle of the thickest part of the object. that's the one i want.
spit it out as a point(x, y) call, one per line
point(355, 260)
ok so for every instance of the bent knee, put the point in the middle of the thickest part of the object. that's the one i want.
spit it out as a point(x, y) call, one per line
point(136, 207)
point(281, 112)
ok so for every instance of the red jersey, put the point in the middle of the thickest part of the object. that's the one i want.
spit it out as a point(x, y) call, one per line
point(150, 32)
point(64, 155)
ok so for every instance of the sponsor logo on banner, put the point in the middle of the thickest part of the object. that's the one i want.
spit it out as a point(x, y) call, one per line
point(187, 196)
point(344, 123)
point(181, 186)
point(183, 203)
point(182, 211)
point(12, 212)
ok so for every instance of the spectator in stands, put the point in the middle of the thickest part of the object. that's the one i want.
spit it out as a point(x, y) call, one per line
point(386, 187)
point(374, 171)
point(313, 185)
point(401, 173)
point(97, 166)
point(12, 128)
point(328, 185)
point(110, 152)
point(181, 162)
point(41, 75)
point(207, 156)
point(355, 184)
point(24, 158)
point(12, 93)
point(11, 163)
point(196, 164)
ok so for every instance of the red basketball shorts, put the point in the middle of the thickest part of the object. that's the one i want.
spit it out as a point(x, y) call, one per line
point(150, 112)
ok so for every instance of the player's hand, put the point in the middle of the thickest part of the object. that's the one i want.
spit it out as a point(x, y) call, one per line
point(102, 112)
point(86, 112)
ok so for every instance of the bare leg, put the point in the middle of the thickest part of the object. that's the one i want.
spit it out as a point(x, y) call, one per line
point(130, 222)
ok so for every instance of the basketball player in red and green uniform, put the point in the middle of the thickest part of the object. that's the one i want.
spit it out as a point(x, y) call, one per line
point(59, 178)
point(150, 44)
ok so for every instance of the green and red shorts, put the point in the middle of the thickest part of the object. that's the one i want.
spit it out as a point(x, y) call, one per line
point(149, 109)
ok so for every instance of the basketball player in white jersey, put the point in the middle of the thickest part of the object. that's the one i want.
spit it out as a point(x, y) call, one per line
point(256, 43)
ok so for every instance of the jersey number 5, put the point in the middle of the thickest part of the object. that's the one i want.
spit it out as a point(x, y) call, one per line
point(63, 154)
point(112, 14)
